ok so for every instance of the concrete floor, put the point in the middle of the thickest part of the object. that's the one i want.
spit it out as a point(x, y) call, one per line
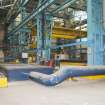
point(82, 92)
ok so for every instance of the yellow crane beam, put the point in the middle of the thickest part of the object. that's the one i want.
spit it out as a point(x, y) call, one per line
point(61, 32)
point(56, 36)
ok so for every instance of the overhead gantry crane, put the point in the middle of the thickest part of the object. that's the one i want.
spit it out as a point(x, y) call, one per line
point(66, 33)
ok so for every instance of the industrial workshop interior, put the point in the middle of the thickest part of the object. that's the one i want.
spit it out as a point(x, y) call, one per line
point(52, 52)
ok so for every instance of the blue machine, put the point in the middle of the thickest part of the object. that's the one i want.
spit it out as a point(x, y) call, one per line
point(19, 72)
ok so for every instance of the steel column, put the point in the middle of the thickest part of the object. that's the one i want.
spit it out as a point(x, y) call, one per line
point(95, 32)
point(48, 33)
point(44, 32)
point(39, 38)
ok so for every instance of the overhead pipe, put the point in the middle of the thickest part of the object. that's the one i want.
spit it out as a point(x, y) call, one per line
point(71, 44)
point(61, 75)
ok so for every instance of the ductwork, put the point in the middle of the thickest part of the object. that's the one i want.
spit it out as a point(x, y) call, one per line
point(61, 75)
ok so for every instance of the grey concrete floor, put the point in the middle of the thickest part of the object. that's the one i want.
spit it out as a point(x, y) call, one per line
point(82, 92)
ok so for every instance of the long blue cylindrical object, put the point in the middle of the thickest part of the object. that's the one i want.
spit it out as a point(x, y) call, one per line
point(61, 75)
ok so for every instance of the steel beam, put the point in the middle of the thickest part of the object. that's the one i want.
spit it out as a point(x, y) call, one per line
point(24, 3)
point(32, 15)
point(66, 4)
point(16, 6)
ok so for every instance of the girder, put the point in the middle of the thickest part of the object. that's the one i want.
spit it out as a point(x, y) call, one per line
point(33, 14)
